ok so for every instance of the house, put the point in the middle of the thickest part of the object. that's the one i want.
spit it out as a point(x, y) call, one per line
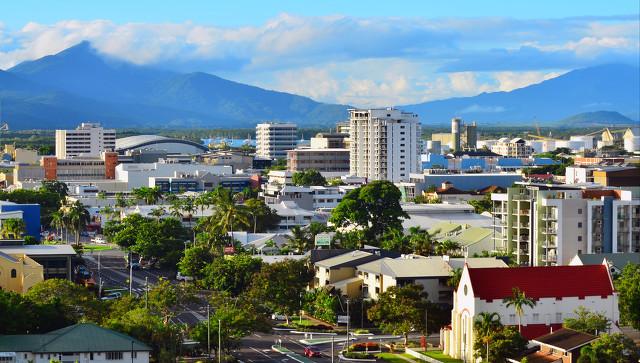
point(472, 240)
point(560, 346)
point(18, 272)
point(340, 271)
point(54, 259)
point(81, 343)
point(557, 291)
point(431, 273)
point(615, 261)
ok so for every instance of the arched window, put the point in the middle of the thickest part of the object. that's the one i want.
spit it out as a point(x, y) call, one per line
point(14, 273)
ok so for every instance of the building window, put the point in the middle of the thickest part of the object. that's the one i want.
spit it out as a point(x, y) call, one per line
point(579, 210)
point(14, 273)
point(579, 224)
point(91, 356)
point(512, 318)
point(114, 356)
point(134, 354)
point(579, 238)
point(558, 317)
point(536, 317)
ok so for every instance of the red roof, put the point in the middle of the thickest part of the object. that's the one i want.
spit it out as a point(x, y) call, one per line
point(540, 282)
point(533, 331)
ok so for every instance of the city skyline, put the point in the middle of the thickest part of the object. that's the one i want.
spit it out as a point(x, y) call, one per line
point(341, 53)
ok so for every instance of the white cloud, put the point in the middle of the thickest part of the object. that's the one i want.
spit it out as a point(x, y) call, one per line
point(508, 81)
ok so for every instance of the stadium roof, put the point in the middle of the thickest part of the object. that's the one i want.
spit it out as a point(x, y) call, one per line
point(137, 141)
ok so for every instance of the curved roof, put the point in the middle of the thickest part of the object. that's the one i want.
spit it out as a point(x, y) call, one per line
point(137, 141)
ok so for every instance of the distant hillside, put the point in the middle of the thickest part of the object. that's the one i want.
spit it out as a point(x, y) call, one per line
point(610, 87)
point(595, 119)
point(79, 84)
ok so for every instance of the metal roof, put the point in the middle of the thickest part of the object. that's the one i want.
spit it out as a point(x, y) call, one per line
point(132, 142)
point(39, 250)
point(82, 337)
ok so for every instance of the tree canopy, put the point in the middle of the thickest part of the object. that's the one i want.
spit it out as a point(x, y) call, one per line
point(375, 208)
point(587, 321)
point(308, 177)
point(628, 286)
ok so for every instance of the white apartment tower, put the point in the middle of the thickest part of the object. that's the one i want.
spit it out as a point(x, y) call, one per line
point(274, 139)
point(88, 139)
point(385, 144)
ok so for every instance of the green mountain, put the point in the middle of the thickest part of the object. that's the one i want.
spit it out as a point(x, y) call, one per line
point(596, 119)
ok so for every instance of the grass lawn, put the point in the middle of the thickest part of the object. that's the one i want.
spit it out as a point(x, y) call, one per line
point(95, 248)
point(393, 358)
point(437, 354)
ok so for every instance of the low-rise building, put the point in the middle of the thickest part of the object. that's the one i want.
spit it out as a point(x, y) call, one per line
point(81, 343)
point(560, 346)
point(29, 213)
point(557, 291)
point(235, 159)
point(323, 160)
point(615, 261)
point(80, 167)
point(341, 270)
point(513, 148)
point(137, 175)
point(18, 272)
point(54, 259)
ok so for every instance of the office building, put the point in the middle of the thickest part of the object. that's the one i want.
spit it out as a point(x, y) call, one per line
point(323, 160)
point(545, 224)
point(139, 175)
point(88, 139)
point(384, 144)
point(329, 141)
point(80, 167)
point(274, 139)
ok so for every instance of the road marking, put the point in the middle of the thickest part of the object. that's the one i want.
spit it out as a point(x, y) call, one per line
point(256, 350)
point(258, 335)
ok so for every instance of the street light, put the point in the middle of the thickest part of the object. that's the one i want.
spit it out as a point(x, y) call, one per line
point(348, 319)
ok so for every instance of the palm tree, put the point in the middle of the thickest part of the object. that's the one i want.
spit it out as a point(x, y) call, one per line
point(57, 222)
point(13, 228)
point(454, 278)
point(588, 355)
point(149, 195)
point(446, 247)
point(420, 241)
point(108, 212)
point(299, 239)
point(519, 301)
point(157, 212)
point(484, 325)
point(78, 217)
point(228, 212)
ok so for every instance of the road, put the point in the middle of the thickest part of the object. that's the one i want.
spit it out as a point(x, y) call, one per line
point(110, 266)
point(257, 348)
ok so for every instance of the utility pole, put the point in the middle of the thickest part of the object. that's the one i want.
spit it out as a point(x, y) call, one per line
point(348, 320)
point(426, 331)
point(332, 351)
point(219, 341)
point(208, 333)
point(146, 292)
point(130, 274)
point(100, 287)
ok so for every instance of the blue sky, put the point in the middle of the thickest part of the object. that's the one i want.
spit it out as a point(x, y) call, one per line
point(365, 53)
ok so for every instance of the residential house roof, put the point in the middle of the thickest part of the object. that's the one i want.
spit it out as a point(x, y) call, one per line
point(433, 266)
point(39, 250)
point(81, 337)
point(349, 259)
point(477, 262)
point(541, 282)
point(618, 260)
point(444, 229)
point(472, 235)
point(566, 339)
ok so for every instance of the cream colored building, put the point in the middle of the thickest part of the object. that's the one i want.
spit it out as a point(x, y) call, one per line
point(18, 272)
point(514, 148)
point(274, 139)
point(88, 139)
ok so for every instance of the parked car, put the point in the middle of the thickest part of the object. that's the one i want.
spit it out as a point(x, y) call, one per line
point(134, 266)
point(111, 296)
point(98, 240)
point(279, 317)
point(311, 352)
point(181, 277)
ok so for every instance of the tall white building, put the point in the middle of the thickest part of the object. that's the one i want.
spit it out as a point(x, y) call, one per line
point(274, 139)
point(385, 144)
point(88, 139)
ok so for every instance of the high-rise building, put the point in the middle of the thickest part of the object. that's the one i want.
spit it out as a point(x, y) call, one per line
point(274, 139)
point(544, 224)
point(384, 144)
point(88, 139)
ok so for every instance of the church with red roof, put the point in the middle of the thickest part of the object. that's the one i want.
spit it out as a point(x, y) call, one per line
point(557, 292)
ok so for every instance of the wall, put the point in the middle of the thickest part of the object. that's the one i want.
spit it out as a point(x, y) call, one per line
point(141, 357)
point(30, 215)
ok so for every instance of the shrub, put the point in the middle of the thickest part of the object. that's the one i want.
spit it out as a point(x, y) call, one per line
point(357, 355)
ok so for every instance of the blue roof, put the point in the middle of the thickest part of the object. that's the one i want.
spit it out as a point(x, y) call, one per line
point(509, 162)
point(544, 161)
point(472, 163)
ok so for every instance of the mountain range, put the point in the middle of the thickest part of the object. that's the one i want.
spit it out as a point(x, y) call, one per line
point(80, 84)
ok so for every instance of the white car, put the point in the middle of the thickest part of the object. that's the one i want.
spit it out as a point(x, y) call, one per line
point(111, 296)
point(99, 240)
point(181, 277)
point(279, 317)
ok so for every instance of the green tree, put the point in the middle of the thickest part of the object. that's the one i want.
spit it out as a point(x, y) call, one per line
point(396, 240)
point(76, 301)
point(399, 309)
point(21, 314)
point(150, 195)
point(628, 286)
point(483, 205)
point(611, 348)
point(12, 228)
point(55, 186)
point(57, 222)
point(505, 342)
point(299, 239)
point(447, 247)
point(279, 285)
point(454, 278)
point(165, 298)
point(308, 177)
point(519, 301)
point(420, 241)
point(231, 274)
point(484, 326)
point(322, 304)
point(195, 259)
point(157, 213)
point(375, 208)
point(587, 321)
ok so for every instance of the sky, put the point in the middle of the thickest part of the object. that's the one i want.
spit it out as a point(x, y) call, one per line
point(362, 53)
